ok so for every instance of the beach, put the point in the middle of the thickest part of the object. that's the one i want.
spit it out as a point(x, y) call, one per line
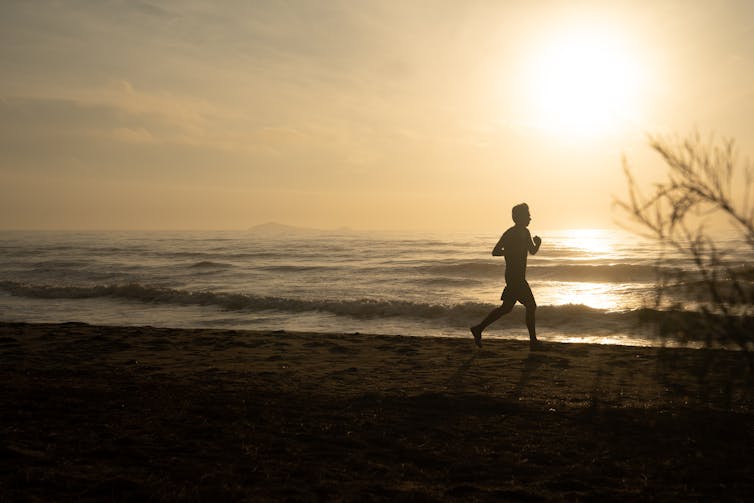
point(92, 413)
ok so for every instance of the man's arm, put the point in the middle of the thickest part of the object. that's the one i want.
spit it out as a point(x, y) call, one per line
point(534, 244)
point(499, 249)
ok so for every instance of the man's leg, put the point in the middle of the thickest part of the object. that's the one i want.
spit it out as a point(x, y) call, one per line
point(531, 307)
point(530, 324)
point(494, 315)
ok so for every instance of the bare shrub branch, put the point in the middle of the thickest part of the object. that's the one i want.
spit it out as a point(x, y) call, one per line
point(702, 180)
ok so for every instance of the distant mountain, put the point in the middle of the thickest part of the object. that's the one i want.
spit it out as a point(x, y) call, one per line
point(278, 229)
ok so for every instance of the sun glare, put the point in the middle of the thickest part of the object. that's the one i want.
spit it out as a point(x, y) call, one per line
point(582, 82)
point(591, 241)
point(595, 295)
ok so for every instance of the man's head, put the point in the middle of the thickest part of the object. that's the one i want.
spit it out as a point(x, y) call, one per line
point(520, 214)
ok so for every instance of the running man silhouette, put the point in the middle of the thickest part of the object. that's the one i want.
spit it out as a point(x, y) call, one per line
point(515, 245)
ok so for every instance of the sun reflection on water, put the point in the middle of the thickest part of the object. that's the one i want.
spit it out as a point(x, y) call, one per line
point(595, 295)
point(586, 245)
point(591, 241)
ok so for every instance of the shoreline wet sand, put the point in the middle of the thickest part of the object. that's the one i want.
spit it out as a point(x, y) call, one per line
point(94, 413)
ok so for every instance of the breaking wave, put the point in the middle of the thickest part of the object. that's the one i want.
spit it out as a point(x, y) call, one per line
point(618, 273)
point(208, 264)
point(460, 314)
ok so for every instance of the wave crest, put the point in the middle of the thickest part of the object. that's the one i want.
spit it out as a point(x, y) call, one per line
point(462, 314)
point(620, 273)
point(208, 264)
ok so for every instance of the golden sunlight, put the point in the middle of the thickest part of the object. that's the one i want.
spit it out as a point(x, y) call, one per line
point(592, 241)
point(594, 295)
point(583, 81)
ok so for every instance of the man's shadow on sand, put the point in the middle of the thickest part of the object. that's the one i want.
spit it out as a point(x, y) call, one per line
point(533, 362)
point(455, 381)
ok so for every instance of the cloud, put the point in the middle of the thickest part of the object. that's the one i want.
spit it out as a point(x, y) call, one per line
point(128, 135)
point(119, 111)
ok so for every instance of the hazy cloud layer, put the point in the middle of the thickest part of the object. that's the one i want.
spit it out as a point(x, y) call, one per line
point(367, 114)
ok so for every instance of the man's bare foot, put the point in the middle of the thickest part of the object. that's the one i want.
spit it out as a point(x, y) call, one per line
point(534, 345)
point(477, 335)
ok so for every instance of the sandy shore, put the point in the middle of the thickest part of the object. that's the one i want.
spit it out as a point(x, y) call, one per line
point(133, 413)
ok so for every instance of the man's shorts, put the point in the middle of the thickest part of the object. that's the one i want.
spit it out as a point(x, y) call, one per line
point(519, 292)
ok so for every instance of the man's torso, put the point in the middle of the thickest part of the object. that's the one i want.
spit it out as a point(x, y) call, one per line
point(515, 249)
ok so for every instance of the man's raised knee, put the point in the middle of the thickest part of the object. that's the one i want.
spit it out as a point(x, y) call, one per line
point(507, 307)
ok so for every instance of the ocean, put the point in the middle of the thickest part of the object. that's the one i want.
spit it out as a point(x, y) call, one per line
point(591, 285)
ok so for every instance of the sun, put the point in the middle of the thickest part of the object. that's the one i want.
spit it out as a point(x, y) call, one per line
point(583, 81)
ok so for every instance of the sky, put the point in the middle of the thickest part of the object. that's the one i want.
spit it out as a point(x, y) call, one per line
point(436, 115)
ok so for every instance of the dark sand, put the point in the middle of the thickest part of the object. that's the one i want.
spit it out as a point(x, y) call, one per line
point(139, 413)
